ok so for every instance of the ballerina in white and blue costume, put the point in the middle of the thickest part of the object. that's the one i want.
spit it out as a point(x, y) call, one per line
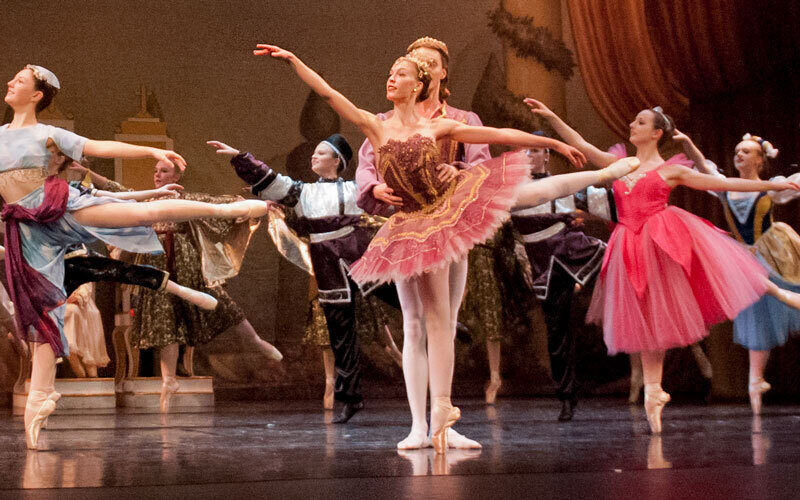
point(44, 216)
point(767, 323)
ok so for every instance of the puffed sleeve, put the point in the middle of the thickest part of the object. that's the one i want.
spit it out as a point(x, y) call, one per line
point(70, 143)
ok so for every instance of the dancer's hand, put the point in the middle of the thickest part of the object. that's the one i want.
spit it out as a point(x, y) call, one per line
point(385, 194)
point(781, 186)
point(77, 167)
point(170, 156)
point(572, 154)
point(274, 51)
point(538, 108)
point(222, 148)
point(168, 191)
point(681, 137)
point(446, 172)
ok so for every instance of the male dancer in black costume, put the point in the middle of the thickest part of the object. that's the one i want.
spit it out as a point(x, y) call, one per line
point(562, 257)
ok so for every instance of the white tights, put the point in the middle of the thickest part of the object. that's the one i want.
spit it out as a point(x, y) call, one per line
point(430, 304)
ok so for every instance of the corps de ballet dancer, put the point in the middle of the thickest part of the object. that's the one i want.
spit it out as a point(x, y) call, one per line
point(767, 323)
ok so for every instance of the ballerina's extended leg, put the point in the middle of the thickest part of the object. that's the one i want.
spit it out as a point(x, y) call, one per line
point(151, 212)
point(558, 186)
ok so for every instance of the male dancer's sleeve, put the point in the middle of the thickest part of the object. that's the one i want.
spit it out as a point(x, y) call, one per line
point(598, 202)
point(476, 153)
point(265, 182)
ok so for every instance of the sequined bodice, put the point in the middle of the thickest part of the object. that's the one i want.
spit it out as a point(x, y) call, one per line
point(409, 168)
point(638, 201)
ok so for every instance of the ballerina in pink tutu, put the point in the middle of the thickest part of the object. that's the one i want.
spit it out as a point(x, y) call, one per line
point(667, 275)
point(423, 246)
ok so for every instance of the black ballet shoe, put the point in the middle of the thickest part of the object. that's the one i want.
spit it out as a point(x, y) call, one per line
point(463, 334)
point(348, 410)
point(567, 410)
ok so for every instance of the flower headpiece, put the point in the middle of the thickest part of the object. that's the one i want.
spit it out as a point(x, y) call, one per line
point(45, 75)
point(769, 150)
point(428, 42)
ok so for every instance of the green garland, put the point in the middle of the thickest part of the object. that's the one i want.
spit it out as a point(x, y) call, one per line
point(534, 42)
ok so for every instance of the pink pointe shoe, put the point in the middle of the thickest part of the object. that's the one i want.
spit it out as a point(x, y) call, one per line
point(654, 401)
point(755, 390)
point(442, 405)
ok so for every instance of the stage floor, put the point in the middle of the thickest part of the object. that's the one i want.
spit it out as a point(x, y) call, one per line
point(284, 449)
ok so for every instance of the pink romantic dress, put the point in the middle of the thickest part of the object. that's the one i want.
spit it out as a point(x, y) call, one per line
point(668, 275)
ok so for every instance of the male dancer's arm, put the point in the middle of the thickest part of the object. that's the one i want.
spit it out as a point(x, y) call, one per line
point(265, 182)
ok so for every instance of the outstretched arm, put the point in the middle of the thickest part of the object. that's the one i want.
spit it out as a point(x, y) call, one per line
point(678, 175)
point(115, 149)
point(166, 191)
point(572, 137)
point(364, 120)
point(513, 137)
point(264, 182)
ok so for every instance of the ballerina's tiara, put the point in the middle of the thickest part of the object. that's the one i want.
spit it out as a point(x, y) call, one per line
point(45, 75)
point(660, 112)
point(769, 150)
point(429, 42)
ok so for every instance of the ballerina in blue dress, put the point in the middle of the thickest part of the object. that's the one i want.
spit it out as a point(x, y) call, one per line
point(767, 323)
point(44, 216)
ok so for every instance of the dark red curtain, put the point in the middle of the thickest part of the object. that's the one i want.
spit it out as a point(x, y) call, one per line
point(722, 68)
point(621, 70)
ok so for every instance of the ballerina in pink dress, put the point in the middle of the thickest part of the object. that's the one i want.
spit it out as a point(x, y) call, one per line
point(667, 275)
point(423, 246)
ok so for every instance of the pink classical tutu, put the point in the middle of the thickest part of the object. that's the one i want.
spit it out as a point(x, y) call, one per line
point(439, 222)
point(667, 274)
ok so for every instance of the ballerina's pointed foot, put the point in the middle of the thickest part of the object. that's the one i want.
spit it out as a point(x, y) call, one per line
point(491, 390)
point(654, 401)
point(755, 391)
point(168, 389)
point(620, 168)
point(200, 299)
point(457, 441)
point(789, 298)
point(36, 417)
point(444, 408)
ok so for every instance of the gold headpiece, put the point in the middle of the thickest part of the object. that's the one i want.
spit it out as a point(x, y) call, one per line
point(428, 42)
point(423, 63)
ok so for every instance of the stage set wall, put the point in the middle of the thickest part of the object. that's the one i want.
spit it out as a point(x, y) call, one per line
point(196, 58)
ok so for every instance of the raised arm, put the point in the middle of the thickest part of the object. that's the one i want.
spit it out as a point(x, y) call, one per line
point(115, 149)
point(678, 175)
point(367, 122)
point(489, 135)
point(694, 154)
point(570, 135)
